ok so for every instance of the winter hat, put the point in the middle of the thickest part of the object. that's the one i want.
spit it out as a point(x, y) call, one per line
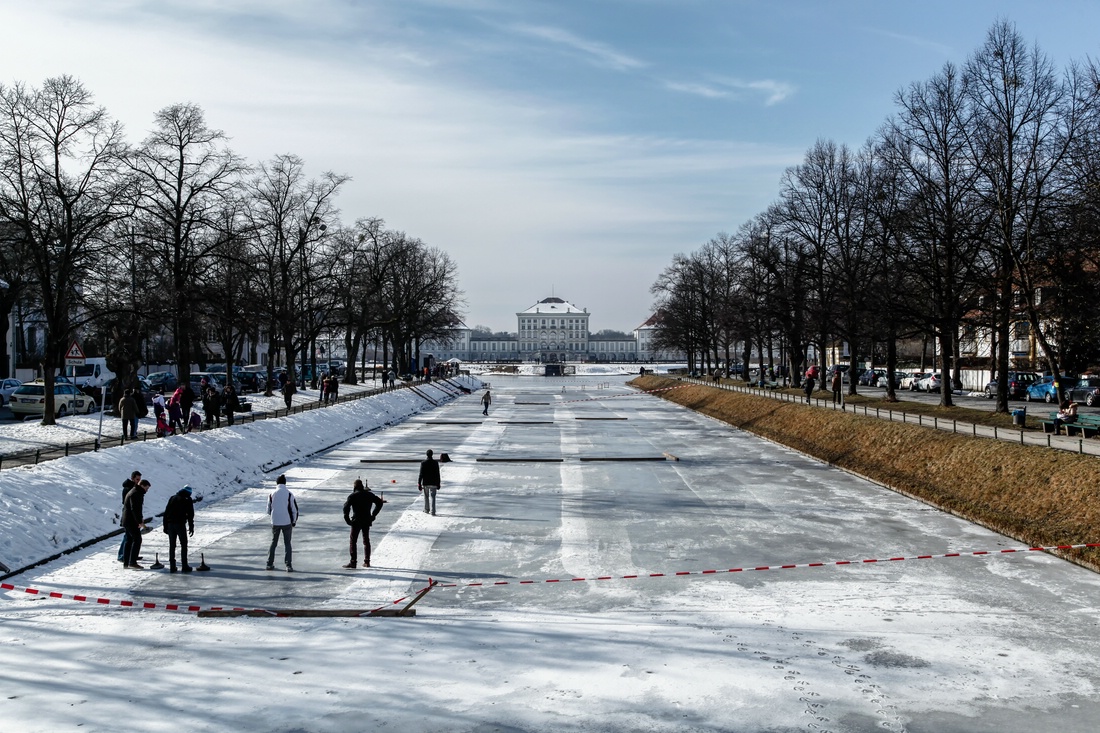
point(187, 489)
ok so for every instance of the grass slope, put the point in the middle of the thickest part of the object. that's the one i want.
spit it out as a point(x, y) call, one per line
point(1033, 494)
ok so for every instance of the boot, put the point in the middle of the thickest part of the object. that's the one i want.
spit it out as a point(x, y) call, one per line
point(350, 564)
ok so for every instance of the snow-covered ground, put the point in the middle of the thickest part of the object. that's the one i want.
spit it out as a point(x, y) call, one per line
point(976, 643)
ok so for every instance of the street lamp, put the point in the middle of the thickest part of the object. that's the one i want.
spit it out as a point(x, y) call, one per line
point(306, 299)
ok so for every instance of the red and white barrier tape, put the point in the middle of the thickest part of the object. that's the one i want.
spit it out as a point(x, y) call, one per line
point(684, 573)
point(145, 605)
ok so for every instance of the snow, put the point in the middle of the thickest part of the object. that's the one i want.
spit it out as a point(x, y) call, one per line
point(997, 643)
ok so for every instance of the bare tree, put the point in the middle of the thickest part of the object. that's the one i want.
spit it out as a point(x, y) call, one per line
point(186, 174)
point(290, 215)
point(927, 142)
point(62, 185)
point(1024, 126)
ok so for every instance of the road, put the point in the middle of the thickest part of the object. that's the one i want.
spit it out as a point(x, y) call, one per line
point(573, 478)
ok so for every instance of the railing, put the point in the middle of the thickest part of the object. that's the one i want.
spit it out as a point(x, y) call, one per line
point(1083, 446)
point(49, 453)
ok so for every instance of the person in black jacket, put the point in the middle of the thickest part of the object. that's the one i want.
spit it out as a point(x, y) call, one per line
point(230, 402)
point(360, 510)
point(428, 482)
point(179, 515)
point(128, 484)
point(133, 521)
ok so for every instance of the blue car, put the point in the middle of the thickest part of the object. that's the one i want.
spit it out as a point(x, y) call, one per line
point(1043, 389)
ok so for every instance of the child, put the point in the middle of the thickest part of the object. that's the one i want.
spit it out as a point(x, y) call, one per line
point(163, 428)
point(194, 423)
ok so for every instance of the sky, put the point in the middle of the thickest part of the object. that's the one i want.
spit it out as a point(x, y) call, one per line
point(551, 147)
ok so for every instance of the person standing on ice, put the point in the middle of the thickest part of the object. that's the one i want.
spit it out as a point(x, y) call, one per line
point(128, 484)
point(133, 521)
point(486, 400)
point(360, 511)
point(428, 482)
point(283, 508)
point(179, 524)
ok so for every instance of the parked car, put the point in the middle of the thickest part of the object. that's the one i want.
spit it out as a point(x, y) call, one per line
point(147, 394)
point(93, 372)
point(163, 381)
point(8, 386)
point(1018, 382)
point(1086, 390)
point(212, 378)
point(251, 381)
point(930, 383)
point(909, 381)
point(1044, 390)
point(219, 369)
point(844, 373)
point(884, 382)
point(30, 399)
point(870, 377)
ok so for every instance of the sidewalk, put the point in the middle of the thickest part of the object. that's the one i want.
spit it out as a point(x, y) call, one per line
point(31, 442)
point(1084, 446)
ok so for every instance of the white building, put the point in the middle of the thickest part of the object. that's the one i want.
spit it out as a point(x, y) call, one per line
point(551, 331)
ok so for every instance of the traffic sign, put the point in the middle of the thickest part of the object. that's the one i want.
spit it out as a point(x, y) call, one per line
point(75, 355)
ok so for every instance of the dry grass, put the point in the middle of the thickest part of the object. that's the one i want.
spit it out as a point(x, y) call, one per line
point(1033, 494)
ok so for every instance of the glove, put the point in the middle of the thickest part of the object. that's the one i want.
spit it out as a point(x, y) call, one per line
point(347, 521)
point(190, 533)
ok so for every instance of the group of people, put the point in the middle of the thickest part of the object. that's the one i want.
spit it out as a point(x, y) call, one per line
point(170, 414)
point(360, 510)
point(178, 518)
point(330, 388)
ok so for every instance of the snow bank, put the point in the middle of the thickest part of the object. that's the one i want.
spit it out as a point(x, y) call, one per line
point(55, 506)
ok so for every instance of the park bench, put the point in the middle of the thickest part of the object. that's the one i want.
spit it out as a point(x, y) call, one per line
point(1087, 426)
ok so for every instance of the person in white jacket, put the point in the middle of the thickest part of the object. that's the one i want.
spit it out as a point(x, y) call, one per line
point(283, 508)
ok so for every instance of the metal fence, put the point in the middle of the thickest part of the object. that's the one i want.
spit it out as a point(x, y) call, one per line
point(1084, 446)
point(53, 452)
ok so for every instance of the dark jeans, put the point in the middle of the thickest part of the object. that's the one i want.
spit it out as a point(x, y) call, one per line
point(133, 545)
point(177, 531)
point(287, 530)
point(129, 427)
point(355, 530)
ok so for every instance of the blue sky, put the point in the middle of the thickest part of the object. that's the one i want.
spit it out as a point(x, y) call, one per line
point(547, 145)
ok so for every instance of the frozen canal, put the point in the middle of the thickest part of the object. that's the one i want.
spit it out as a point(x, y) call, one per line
point(564, 479)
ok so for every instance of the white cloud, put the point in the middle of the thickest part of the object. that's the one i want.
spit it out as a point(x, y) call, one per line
point(773, 92)
point(596, 52)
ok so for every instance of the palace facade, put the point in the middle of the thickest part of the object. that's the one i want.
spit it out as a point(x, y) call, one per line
point(551, 331)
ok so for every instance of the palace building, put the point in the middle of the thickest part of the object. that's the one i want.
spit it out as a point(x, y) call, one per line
point(551, 331)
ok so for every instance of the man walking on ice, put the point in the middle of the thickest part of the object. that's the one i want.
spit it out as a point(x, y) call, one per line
point(428, 482)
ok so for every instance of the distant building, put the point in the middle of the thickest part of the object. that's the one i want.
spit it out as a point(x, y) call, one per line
point(551, 331)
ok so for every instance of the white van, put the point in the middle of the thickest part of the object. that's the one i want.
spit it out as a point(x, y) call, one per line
point(94, 372)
